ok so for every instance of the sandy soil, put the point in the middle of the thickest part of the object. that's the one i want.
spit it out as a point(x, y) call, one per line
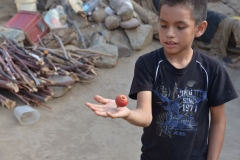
point(73, 132)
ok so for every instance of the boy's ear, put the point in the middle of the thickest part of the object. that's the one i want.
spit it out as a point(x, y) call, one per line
point(201, 28)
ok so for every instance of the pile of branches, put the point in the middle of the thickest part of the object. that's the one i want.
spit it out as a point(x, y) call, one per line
point(25, 71)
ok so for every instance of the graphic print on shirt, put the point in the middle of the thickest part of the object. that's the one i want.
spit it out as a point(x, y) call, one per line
point(180, 109)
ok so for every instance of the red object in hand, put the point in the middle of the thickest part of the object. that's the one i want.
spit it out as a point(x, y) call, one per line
point(121, 100)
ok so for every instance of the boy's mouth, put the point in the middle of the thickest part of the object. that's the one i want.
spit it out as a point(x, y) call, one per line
point(170, 43)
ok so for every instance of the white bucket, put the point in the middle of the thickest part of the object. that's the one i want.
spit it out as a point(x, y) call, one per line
point(26, 114)
point(26, 5)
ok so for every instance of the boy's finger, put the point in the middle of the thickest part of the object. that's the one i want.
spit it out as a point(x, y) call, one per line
point(100, 99)
point(95, 107)
point(100, 113)
point(112, 115)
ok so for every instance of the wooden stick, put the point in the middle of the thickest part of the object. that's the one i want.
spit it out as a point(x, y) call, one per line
point(6, 68)
point(9, 60)
point(27, 69)
point(46, 91)
point(39, 39)
point(62, 46)
point(89, 51)
point(21, 98)
point(7, 102)
point(41, 104)
point(33, 95)
point(79, 33)
point(9, 85)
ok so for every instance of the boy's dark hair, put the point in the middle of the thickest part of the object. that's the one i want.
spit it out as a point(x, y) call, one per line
point(197, 7)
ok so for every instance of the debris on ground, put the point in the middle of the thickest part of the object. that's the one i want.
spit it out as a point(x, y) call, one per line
point(65, 41)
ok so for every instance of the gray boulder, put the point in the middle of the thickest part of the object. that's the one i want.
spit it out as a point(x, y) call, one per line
point(104, 61)
point(119, 39)
point(99, 15)
point(12, 34)
point(97, 38)
point(130, 24)
point(123, 8)
point(140, 37)
point(112, 22)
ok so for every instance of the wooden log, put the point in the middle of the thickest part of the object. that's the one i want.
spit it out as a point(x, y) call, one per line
point(46, 91)
point(56, 59)
point(9, 85)
point(33, 95)
point(57, 83)
point(6, 75)
point(62, 46)
point(27, 69)
point(6, 69)
point(71, 68)
point(9, 61)
point(7, 102)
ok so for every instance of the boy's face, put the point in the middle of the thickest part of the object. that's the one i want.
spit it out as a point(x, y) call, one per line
point(177, 29)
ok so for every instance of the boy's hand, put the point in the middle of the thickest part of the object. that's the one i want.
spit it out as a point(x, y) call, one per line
point(107, 108)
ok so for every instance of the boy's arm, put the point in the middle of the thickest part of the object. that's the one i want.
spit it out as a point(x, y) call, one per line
point(142, 115)
point(217, 132)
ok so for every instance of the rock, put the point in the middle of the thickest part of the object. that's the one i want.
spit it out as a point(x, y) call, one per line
point(109, 11)
point(59, 91)
point(135, 15)
point(156, 36)
point(97, 38)
point(130, 24)
point(99, 15)
point(90, 30)
point(107, 34)
point(224, 9)
point(147, 16)
point(123, 50)
point(118, 38)
point(12, 34)
point(123, 8)
point(153, 21)
point(67, 35)
point(71, 47)
point(49, 3)
point(90, 18)
point(104, 61)
point(112, 22)
point(140, 37)
point(104, 3)
point(81, 19)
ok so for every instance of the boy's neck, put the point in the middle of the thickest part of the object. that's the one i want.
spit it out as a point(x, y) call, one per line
point(181, 60)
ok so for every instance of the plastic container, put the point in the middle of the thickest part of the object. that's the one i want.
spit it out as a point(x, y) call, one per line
point(26, 5)
point(26, 114)
point(31, 23)
point(90, 6)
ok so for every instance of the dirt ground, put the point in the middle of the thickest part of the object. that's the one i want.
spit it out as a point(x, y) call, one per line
point(73, 132)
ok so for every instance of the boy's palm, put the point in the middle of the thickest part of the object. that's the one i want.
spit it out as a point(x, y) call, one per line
point(107, 108)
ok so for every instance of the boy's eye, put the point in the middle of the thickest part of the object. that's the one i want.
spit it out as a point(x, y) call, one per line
point(163, 26)
point(180, 27)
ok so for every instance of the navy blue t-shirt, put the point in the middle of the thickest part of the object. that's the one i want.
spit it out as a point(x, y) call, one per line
point(180, 104)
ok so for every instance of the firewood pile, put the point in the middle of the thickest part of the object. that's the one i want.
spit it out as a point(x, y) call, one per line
point(25, 71)
point(28, 71)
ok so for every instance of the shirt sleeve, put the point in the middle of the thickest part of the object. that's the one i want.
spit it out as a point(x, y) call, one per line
point(221, 88)
point(143, 77)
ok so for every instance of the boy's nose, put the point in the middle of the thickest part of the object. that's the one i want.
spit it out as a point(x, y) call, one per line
point(170, 33)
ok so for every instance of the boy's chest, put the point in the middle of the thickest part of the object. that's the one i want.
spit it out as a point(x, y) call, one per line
point(188, 83)
point(178, 100)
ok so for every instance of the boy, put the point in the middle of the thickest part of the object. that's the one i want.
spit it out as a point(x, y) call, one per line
point(175, 87)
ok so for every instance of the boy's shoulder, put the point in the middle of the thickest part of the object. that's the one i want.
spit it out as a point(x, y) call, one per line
point(206, 61)
point(155, 54)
